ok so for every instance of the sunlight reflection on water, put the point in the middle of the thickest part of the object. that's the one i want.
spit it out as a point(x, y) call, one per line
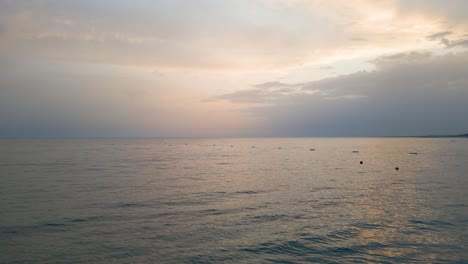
point(202, 201)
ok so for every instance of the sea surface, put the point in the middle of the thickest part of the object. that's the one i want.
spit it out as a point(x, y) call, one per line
point(258, 200)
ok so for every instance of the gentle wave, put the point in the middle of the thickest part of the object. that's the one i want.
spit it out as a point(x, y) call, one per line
point(203, 201)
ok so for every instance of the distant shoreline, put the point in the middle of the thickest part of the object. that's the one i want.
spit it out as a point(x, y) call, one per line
point(444, 136)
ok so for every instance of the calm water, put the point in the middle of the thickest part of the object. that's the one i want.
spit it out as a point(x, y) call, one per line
point(203, 201)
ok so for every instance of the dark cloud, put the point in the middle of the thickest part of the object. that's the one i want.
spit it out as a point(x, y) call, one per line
point(441, 37)
point(438, 35)
point(415, 93)
point(460, 42)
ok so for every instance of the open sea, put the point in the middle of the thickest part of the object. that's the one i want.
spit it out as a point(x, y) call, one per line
point(257, 200)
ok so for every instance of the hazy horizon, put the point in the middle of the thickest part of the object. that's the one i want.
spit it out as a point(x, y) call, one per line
point(221, 137)
point(262, 68)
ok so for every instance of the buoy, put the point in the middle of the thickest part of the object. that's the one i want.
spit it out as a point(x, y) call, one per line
point(361, 162)
point(396, 168)
point(312, 149)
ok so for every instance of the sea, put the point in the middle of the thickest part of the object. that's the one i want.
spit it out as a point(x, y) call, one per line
point(234, 200)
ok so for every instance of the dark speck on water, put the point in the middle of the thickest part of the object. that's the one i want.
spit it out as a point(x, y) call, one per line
point(161, 201)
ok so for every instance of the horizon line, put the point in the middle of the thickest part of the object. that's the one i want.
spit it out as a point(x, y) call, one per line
point(225, 137)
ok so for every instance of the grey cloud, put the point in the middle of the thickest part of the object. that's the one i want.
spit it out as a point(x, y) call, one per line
point(461, 42)
point(250, 96)
point(345, 97)
point(276, 84)
point(454, 43)
point(261, 93)
point(402, 58)
point(424, 95)
point(438, 35)
point(441, 37)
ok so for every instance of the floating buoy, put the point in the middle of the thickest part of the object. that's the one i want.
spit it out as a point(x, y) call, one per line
point(396, 168)
point(361, 162)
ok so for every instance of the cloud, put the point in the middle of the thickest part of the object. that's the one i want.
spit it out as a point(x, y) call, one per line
point(40, 99)
point(438, 35)
point(358, 39)
point(107, 51)
point(402, 58)
point(263, 93)
point(441, 37)
point(460, 42)
point(276, 84)
point(206, 35)
point(415, 93)
point(452, 12)
point(345, 97)
point(161, 34)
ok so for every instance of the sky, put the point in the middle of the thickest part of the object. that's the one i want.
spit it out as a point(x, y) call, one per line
point(233, 68)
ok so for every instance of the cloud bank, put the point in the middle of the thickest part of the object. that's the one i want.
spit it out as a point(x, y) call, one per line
point(412, 92)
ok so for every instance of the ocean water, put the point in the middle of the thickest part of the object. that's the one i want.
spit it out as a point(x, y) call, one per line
point(261, 200)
